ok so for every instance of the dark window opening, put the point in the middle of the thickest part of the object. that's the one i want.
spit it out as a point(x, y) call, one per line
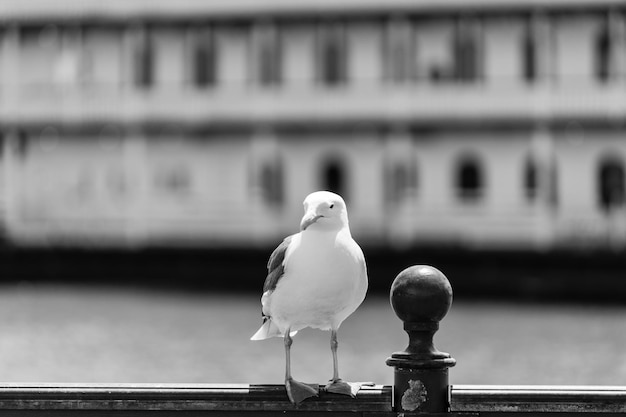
point(529, 58)
point(333, 58)
point(553, 184)
point(611, 185)
point(400, 64)
point(541, 181)
point(400, 182)
point(398, 52)
point(144, 62)
point(603, 54)
point(269, 62)
point(334, 178)
point(266, 65)
point(530, 180)
point(332, 64)
point(469, 180)
point(272, 183)
point(204, 62)
point(465, 55)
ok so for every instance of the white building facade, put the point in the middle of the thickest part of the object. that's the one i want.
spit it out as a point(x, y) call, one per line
point(484, 124)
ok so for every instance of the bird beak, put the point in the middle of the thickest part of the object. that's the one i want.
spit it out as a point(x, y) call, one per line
point(309, 219)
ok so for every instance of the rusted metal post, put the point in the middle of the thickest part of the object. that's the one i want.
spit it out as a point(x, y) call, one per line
point(421, 296)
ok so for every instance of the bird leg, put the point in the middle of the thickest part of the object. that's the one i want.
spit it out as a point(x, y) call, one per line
point(337, 385)
point(296, 391)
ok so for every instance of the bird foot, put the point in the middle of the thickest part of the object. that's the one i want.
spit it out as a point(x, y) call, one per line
point(299, 391)
point(339, 386)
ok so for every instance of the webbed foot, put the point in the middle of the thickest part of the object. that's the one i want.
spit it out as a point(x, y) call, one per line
point(340, 386)
point(299, 391)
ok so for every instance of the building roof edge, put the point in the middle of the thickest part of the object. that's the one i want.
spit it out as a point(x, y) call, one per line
point(136, 9)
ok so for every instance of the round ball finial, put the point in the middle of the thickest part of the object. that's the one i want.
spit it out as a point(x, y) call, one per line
point(421, 294)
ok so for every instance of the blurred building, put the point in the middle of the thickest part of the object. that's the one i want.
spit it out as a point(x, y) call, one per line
point(491, 123)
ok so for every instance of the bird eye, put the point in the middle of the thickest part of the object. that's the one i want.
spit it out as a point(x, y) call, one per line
point(331, 206)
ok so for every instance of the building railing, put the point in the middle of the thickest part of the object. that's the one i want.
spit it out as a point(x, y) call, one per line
point(420, 296)
point(202, 399)
point(538, 399)
point(423, 104)
point(136, 399)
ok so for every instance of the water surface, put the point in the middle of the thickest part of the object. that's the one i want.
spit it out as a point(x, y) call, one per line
point(63, 333)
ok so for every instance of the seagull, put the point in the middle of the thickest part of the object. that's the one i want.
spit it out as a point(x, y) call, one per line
point(316, 278)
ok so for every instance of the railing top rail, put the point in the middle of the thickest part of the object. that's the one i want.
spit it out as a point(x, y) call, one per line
point(181, 397)
point(539, 398)
point(537, 388)
point(130, 397)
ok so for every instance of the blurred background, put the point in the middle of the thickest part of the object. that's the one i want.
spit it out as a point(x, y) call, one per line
point(155, 152)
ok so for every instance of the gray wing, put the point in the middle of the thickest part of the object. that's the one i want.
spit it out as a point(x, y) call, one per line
point(275, 266)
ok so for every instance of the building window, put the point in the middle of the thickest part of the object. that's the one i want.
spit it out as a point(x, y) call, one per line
point(144, 61)
point(465, 53)
point(269, 57)
point(333, 177)
point(541, 181)
point(529, 55)
point(399, 53)
point(204, 59)
point(603, 54)
point(268, 65)
point(401, 182)
point(530, 179)
point(469, 179)
point(333, 59)
point(611, 185)
point(399, 62)
point(272, 183)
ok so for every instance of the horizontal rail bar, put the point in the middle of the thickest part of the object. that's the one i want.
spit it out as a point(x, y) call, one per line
point(538, 398)
point(182, 397)
point(135, 399)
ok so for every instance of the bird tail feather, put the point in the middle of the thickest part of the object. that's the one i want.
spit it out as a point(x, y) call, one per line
point(267, 330)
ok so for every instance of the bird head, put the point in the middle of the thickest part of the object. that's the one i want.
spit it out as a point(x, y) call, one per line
point(324, 210)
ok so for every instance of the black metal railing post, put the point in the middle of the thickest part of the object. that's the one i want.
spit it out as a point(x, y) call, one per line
point(421, 296)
